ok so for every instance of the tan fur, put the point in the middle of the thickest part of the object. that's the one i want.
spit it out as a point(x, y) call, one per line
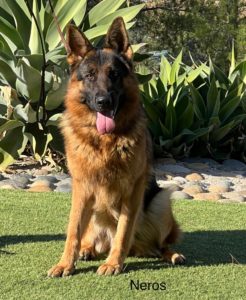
point(109, 177)
point(154, 226)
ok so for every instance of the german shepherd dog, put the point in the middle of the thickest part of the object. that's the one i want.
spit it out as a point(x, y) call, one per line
point(117, 207)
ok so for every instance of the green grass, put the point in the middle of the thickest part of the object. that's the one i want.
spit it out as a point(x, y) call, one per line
point(32, 230)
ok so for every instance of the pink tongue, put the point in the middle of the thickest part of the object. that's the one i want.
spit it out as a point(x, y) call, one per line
point(104, 124)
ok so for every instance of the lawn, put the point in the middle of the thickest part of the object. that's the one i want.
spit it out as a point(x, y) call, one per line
point(32, 230)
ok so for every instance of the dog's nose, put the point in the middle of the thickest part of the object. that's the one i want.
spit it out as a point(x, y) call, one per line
point(103, 101)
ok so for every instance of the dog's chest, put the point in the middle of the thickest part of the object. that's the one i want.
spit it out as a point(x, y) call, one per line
point(108, 200)
point(104, 160)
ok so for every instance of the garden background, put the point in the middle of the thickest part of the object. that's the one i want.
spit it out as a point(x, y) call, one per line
point(190, 59)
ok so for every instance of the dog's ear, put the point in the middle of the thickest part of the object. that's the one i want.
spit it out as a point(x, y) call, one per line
point(78, 43)
point(117, 38)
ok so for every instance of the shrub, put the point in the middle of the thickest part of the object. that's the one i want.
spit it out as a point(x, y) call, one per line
point(33, 71)
point(197, 110)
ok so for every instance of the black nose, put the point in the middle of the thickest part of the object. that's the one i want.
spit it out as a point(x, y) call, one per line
point(103, 101)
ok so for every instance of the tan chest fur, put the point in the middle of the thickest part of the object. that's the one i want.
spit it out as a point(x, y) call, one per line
point(107, 154)
point(108, 164)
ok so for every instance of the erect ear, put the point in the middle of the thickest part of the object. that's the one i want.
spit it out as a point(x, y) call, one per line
point(78, 43)
point(117, 38)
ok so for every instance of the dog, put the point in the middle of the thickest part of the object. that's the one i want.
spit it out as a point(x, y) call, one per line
point(117, 207)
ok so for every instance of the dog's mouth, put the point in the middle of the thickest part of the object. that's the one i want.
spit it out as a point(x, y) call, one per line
point(105, 122)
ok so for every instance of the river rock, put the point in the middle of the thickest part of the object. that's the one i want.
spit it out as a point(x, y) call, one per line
point(49, 178)
point(180, 195)
point(197, 166)
point(179, 180)
point(234, 165)
point(194, 177)
point(220, 187)
point(208, 196)
point(65, 181)
point(7, 183)
point(39, 188)
point(193, 189)
point(172, 168)
point(41, 183)
point(234, 197)
point(64, 188)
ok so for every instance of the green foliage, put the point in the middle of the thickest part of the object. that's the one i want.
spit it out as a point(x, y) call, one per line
point(198, 109)
point(199, 27)
point(33, 72)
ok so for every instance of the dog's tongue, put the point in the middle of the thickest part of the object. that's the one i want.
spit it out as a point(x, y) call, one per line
point(104, 124)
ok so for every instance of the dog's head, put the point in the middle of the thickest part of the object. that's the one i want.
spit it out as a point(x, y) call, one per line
point(102, 72)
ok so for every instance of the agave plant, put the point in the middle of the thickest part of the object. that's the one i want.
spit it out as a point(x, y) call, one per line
point(33, 72)
point(197, 108)
point(166, 99)
point(220, 103)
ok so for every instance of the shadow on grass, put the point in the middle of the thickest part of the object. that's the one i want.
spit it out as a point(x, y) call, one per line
point(16, 239)
point(214, 247)
point(201, 248)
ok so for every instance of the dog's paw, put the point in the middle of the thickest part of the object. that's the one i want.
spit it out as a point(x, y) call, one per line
point(178, 259)
point(60, 270)
point(107, 269)
point(87, 254)
point(173, 257)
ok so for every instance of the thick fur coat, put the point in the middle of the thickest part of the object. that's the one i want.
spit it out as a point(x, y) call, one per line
point(116, 209)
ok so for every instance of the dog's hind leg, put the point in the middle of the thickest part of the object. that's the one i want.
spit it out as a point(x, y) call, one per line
point(168, 254)
point(173, 257)
point(157, 230)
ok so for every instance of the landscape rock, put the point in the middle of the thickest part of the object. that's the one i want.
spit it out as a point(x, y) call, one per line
point(242, 193)
point(173, 168)
point(7, 187)
point(198, 178)
point(41, 183)
point(40, 172)
point(193, 190)
point(39, 188)
point(179, 180)
point(220, 187)
point(197, 166)
point(234, 196)
point(194, 177)
point(48, 178)
point(168, 184)
point(4, 184)
point(64, 188)
point(180, 195)
point(208, 161)
point(234, 164)
point(242, 187)
point(165, 160)
point(65, 181)
point(61, 176)
point(2, 177)
point(208, 196)
point(23, 179)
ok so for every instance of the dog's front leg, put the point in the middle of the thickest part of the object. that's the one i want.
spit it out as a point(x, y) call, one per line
point(125, 231)
point(80, 215)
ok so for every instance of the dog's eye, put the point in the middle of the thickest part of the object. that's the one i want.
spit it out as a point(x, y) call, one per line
point(90, 76)
point(114, 75)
